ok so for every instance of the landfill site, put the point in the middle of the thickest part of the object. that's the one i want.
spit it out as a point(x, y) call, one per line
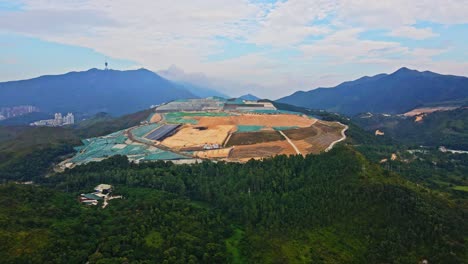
point(234, 130)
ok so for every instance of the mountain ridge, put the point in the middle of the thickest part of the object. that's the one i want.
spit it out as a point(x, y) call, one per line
point(92, 91)
point(394, 93)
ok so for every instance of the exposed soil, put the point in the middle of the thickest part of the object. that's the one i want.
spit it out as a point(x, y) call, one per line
point(301, 133)
point(257, 120)
point(155, 118)
point(248, 138)
point(213, 153)
point(189, 136)
point(262, 150)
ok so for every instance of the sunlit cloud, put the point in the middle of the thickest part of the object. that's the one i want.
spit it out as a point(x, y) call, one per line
point(270, 48)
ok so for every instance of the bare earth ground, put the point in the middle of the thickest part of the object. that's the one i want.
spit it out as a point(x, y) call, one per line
point(249, 138)
point(428, 110)
point(156, 118)
point(189, 136)
point(312, 136)
point(317, 138)
point(257, 120)
point(213, 153)
point(261, 150)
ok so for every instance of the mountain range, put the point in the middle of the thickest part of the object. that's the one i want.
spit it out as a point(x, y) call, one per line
point(123, 92)
point(93, 91)
point(393, 93)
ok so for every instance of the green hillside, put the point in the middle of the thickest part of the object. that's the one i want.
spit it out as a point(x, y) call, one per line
point(39, 225)
point(329, 208)
point(443, 128)
point(336, 207)
point(29, 152)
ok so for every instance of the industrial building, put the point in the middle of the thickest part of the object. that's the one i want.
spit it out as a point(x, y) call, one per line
point(102, 192)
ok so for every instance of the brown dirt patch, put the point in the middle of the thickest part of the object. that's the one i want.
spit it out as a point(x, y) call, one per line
point(428, 110)
point(319, 144)
point(213, 153)
point(261, 150)
point(156, 118)
point(257, 120)
point(301, 133)
point(315, 139)
point(190, 136)
point(249, 138)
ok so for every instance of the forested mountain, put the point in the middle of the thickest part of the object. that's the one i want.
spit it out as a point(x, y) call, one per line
point(336, 207)
point(393, 93)
point(441, 128)
point(330, 208)
point(92, 91)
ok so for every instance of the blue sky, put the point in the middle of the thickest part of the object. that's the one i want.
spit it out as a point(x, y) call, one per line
point(269, 48)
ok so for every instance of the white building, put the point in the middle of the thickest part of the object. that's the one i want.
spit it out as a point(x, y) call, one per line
point(58, 120)
point(69, 119)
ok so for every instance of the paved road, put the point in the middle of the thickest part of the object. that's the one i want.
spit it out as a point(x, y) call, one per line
point(343, 137)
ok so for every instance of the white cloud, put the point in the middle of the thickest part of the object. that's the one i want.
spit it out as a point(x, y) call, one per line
point(159, 33)
point(345, 47)
point(396, 13)
point(290, 22)
point(413, 33)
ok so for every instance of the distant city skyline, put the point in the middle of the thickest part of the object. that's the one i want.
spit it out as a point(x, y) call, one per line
point(58, 120)
point(267, 48)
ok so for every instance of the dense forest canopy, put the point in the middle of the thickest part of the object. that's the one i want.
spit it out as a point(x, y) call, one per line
point(333, 208)
point(336, 207)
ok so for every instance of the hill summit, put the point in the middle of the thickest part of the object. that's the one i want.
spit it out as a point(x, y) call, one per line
point(393, 93)
point(249, 97)
point(93, 91)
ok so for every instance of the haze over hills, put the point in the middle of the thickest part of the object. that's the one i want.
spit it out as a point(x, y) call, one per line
point(92, 91)
point(393, 93)
point(197, 83)
point(249, 97)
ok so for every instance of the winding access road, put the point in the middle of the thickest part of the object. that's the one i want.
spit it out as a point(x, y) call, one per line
point(290, 143)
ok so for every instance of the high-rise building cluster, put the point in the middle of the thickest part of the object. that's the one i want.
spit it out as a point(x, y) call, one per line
point(58, 120)
point(69, 119)
point(9, 112)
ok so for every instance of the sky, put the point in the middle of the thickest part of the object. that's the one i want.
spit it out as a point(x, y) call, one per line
point(268, 48)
